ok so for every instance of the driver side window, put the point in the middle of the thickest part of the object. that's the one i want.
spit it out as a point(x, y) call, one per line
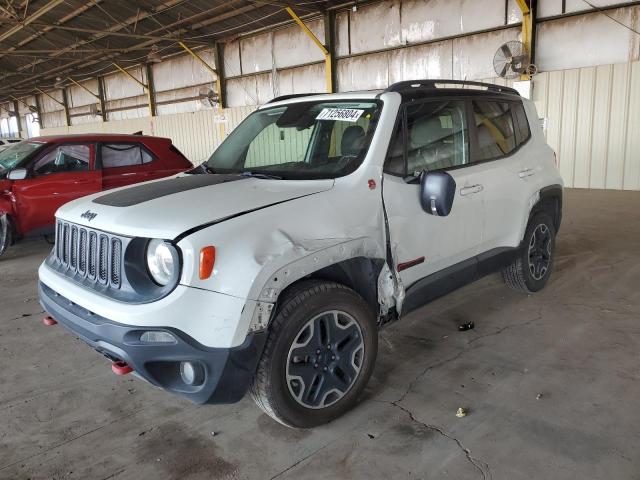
point(64, 158)
point(437, 136)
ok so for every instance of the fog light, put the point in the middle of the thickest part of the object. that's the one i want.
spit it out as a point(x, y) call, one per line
point(191, 373)
point(157, 337)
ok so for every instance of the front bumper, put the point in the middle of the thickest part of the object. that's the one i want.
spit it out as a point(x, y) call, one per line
point(227, 371)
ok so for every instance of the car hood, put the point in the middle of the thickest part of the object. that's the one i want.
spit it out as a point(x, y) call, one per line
point(170, 207)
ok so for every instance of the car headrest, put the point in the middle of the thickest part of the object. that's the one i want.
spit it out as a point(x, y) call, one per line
point(352, 140)
point(426, 131)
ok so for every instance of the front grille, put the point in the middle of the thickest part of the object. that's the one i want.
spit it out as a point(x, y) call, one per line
point(89, 254)
point(93, 248)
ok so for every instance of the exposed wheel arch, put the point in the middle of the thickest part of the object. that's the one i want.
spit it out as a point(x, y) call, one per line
point(270, 387)
point(360, 274)
point(550, 202)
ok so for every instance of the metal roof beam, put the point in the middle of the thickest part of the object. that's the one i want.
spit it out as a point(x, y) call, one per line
point(127, 22)
point(50, 5)
point(63, 20)
point(87, 61)
point(106, 33)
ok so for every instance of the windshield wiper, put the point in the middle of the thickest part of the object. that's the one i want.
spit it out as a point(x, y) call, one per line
point(260, 175)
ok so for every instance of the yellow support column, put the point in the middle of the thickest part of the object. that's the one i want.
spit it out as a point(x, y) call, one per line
point(328, 59)
point(217, 75)
point(527, 29)
point(147, 89)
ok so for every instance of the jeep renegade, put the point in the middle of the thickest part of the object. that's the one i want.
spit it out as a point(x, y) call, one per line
point(321, 218)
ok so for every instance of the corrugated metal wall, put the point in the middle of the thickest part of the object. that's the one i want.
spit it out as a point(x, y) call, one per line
point(592, 118)
point(196, 134)
point(593, 123)
point(591, 111)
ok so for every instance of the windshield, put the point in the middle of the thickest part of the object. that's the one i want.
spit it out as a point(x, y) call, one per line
point(11, 157)
point(299, 141)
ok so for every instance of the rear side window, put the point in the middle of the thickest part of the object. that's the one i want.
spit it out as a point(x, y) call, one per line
point(523, 132)
point(115, 155)
point(495, 127)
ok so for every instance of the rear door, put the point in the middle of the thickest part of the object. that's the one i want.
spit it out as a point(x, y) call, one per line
point(435, 137)
point(59, 174)
point(126, 163)
point(505, 168)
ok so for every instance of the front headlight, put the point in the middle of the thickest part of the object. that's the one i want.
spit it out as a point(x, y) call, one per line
point(160, 262)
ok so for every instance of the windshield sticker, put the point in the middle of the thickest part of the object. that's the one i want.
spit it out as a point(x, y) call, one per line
point(340, 114)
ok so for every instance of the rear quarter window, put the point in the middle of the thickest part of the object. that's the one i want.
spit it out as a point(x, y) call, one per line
point(113, 155)
point(523, 131)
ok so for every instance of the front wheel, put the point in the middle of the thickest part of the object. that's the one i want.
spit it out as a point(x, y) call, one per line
point(532, 269)
point(6, 233)
point(318, 357)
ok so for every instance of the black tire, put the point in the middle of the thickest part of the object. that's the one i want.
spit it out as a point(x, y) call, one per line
point(304, 307)
point(530, 272)
point(6, 233)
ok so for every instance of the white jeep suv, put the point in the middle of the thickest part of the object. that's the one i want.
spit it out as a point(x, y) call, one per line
point(321, 218)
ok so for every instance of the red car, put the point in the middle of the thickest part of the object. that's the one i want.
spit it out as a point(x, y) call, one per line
point(40, 174)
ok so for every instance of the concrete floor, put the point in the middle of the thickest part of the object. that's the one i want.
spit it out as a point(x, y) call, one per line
point(551, 381)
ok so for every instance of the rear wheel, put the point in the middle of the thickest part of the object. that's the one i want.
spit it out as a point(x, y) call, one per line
point(532, 269)
point(6, 233)
point(318, 357)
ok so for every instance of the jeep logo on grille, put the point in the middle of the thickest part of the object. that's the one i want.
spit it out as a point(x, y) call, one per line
point(89, 215)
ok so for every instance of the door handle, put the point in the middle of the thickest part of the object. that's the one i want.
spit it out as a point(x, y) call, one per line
point(81, 182)
point(527, 172)
point(471, 190)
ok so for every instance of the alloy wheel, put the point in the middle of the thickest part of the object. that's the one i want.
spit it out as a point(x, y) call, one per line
point(540, 252)
point(325, 359)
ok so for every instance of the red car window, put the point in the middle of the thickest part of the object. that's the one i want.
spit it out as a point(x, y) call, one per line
point(65, 158)
point(123, 155)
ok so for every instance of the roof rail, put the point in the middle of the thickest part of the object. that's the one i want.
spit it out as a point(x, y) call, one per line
point(432, 83)
point(292, 95)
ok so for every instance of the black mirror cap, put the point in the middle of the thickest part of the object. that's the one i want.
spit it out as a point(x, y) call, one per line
point(437, 191)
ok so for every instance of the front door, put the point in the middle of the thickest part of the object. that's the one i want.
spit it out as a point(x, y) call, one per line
point(58, 175)
point(432, 136)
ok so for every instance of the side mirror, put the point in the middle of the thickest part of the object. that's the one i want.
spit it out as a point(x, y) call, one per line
point(437, 191)
point(17, 174)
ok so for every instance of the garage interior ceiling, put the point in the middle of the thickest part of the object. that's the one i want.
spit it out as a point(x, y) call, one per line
point(42, 42)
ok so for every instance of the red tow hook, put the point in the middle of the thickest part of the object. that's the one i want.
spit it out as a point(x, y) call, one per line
point(121, 368)
point(49, 321)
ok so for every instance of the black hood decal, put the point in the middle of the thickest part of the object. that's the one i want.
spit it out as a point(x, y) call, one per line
point(144, 193)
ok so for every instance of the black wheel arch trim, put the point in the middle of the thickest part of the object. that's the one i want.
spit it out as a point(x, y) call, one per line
point(551, 192)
